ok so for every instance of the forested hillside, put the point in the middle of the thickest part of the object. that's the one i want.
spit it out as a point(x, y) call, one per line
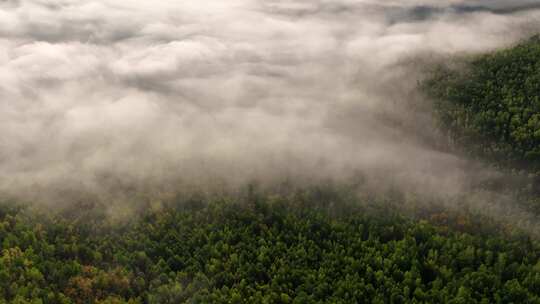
point(490, 104)
point(275, 250)
point(269, 151)
point(489, 108)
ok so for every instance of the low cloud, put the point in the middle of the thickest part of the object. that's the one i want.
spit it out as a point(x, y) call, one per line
point(132, 93)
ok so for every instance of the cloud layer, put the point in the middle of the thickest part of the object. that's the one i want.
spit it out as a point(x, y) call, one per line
point(126, 92)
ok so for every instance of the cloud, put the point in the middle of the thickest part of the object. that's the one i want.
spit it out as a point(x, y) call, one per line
point(156, 92)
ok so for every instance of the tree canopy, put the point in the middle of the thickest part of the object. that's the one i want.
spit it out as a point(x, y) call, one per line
point(270, 251)
point(490, 104)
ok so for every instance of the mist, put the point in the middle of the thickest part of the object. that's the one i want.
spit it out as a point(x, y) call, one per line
point(102, 97)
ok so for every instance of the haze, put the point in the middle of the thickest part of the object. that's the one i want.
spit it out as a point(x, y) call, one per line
point(102, 95)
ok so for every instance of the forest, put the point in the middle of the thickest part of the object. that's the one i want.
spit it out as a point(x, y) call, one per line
point(293, 249)
point(313, 245)
point(490, 104)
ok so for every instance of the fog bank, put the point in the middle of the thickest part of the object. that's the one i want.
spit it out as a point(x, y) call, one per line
point(104, 96)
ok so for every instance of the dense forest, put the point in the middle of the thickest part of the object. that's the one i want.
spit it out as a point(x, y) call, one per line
point(311, 245)
point(274, 250)
point(490, 104)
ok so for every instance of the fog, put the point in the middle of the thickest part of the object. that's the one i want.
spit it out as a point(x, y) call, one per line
point(103, 96)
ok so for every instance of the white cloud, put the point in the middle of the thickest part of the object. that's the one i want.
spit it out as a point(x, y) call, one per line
point(225, 89)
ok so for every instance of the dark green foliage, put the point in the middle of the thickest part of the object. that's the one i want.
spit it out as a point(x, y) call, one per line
point(271, 251)
point(491, 105)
